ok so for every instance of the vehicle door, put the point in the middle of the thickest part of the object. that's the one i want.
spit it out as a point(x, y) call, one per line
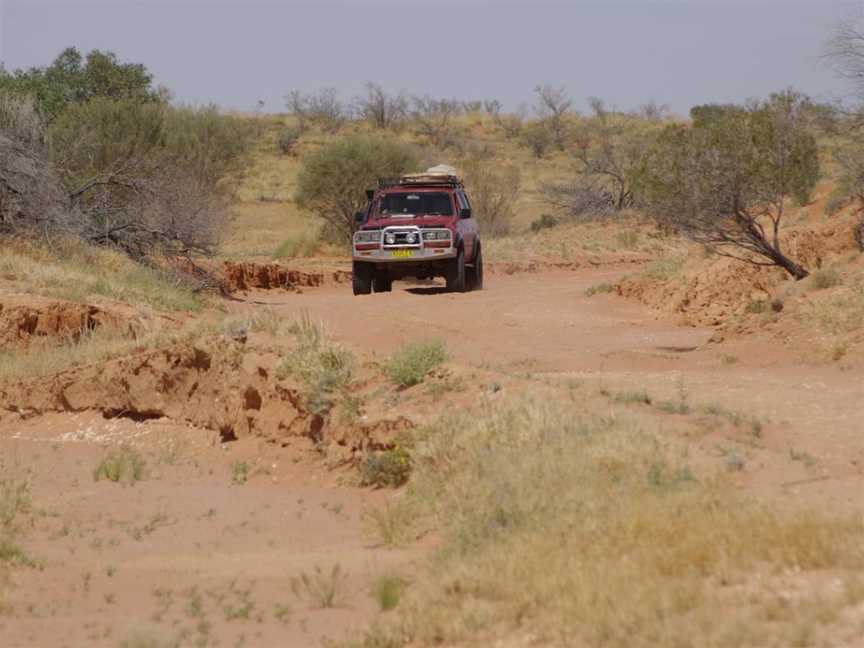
point(466, 224)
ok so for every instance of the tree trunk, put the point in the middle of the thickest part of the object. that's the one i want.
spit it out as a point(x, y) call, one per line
point(797, 271)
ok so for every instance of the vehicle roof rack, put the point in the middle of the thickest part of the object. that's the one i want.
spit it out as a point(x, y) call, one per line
point(446, 179)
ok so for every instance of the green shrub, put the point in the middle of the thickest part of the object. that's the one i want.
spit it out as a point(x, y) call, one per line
point(333, 180)
point(239, 473)
point(288, 140)
point(409, 365)
point(544, 222)
point(836, 203)
point(324, 368)
point(122, 464)
point(304, 244)
point(388, 591)
point(387, 468)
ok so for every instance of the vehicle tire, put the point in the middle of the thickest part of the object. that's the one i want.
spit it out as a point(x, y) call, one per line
point(382, 284)
point(456, 273)
point(361, 279)
point(475, 272)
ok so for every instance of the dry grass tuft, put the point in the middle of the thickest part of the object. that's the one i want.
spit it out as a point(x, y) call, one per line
point(121, 464)
point(324, 368)
point(410, 364)
point(575, 531)
point(841, 312)
point(91, 347)
point(79, 272)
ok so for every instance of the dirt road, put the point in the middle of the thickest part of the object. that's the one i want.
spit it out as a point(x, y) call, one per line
point(544, 324)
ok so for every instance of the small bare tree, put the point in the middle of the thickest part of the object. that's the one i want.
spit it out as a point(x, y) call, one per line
point(652, 111)
point(492, 107)
point(583, 199)
point(31, 195)
point(494, 191)
point(844, 51)
point(552, 106)
point(381, 109)
point(725, 183)
point(323, 107)
point(610, 148)
point(433, 118)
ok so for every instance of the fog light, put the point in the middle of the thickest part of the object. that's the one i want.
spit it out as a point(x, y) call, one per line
point(390, 239)
point(411, 237)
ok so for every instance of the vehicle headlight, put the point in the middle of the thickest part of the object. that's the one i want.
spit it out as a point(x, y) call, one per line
point(411, 237)
point(390, 239)
point(436, 235)
point(367, 237)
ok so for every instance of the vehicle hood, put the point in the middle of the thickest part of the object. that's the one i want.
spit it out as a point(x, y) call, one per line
point(419, 221)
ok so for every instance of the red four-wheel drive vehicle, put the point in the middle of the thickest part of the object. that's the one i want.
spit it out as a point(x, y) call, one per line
point(418, 226)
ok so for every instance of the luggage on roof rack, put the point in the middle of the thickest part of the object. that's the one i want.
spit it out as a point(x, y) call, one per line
point(427, 178)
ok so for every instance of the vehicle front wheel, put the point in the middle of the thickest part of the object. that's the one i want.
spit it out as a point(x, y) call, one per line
point(361, 279)
point(456, 273)
point(475, 272)
point(382, 284)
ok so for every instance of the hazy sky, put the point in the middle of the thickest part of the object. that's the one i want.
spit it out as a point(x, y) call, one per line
point(680, 52)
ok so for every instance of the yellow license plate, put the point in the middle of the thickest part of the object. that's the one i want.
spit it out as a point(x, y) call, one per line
point(402, 253)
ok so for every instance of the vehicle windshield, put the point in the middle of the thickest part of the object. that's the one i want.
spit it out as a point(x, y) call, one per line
point(427, 203)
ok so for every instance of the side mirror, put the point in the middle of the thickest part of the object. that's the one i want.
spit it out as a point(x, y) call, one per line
point(359, 217)
point(465, 213)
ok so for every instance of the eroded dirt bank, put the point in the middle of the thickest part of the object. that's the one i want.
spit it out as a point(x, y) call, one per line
point(217, 383)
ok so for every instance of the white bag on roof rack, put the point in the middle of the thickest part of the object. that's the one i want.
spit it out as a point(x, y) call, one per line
point(442, 169)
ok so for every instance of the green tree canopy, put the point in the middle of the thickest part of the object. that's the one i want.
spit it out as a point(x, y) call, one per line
point(332, 182)
point(75, 79)
point(725, 180)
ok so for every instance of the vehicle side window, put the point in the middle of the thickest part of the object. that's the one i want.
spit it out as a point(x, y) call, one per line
point(465, 198)
point(463, 202)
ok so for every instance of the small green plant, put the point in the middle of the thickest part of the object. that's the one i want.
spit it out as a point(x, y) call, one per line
point(239, 473)
point(323, 590)
point(825, 278)
point(387, 468)
point(122, 464)
point(13, 554)
point(281, 612)
point(387, 591)
point(409, 365)
point(600, 288)
point(757, 307)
